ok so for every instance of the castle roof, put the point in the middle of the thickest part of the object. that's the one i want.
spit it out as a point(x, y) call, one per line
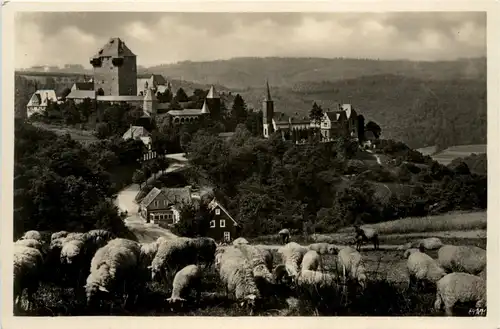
point(83, 86)
point(81, 94)
point(212, 93)
point(280, 117)
point(334, 115)
point(42, 97)
point(115, 47)
point(204, 108)
point(135, 132)
point(185, 112)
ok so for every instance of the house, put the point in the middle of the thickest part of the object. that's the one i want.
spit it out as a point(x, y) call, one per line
point(40, 100)
point(161, 206)
point(138, 133)
point(333, 124)
point(369, 139)
point(223, 227)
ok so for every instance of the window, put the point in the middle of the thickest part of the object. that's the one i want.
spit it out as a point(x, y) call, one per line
point(164, 202)
point(227, 236)
point(212, 223)
point(222, 223)
point(155, 203)
point(217, 211)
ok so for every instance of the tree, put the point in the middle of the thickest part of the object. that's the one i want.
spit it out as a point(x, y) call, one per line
point(238, 110)
point(138, 177)
point(102, 130)
point(66, 91)
point(374, 128)
point(174, 105)
point(181, 96)
point(361, 128)
point(316, 113)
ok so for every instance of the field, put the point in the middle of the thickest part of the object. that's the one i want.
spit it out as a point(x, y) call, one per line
point(460, 151)
point(80, 135)
point(387, 292)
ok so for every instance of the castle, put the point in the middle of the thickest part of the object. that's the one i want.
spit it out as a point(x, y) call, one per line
point(115, 80)
point(342, 122)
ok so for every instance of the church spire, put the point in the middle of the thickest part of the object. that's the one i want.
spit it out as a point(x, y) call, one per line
point(268, 96)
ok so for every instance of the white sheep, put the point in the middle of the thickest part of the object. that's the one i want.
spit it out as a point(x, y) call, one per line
point(459, 287)
point(58, 235)
point(258, 262)
point(429, 243)
point(352, 265)
point(291, 255)
point(32, 243)
point(240, 240)
point(324, 248)
point(171, 256)
point(284, 234)
point(311, 278)
point(148, 253)
point(115, 267)
point(35, 235)
point(468, 259)
point(311, 261)
point(98, 237)
point(422, 268)
point(367, 234)
point(205, 248)
point(28, 263)
point(410, 251)
point(71, 250)
point(237, 275)
point(185, 280)
point(268, 256)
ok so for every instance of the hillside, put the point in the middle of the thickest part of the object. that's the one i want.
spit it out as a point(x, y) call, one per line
point(286, 72)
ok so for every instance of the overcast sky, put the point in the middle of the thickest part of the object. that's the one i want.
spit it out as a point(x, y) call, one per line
point(157, 38)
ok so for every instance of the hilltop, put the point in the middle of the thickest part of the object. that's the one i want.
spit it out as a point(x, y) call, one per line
point(247, 72)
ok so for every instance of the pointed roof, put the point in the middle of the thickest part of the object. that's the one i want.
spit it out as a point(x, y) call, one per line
point(114, 48)
point(150, 95)
point(212, 93)
point(214, 204)
point(150, 197)
point(204, 108)
point(268, 96)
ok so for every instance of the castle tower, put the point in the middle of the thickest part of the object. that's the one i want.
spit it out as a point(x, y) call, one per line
point(267, 113)
point(213, 102)
point(204, 108)
point(150, 103)
point(115, 69)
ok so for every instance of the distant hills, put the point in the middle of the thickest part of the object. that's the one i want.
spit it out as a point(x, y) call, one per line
point(250, 72)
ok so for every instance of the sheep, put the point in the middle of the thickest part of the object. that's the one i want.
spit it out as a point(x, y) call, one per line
point(240, 240)
point(410, 251)
point(257, 258)
point(311, 278)
point(58, 235)
point(98, 238)
point(459, 287)
point(292, 254)
point(148, 252)
point(28, 264)
point(35, 235)
point(429, 243)
point(70, 251)
point(324, 248)
point(114, 267)
point(186, 279)
point(236, 273)
point(205, 250)
point(422, 268)
point(268, 256)
point(468, 259)
point(352, 265)
point(171, 256)
point(32, 243)
point(311, 261)
point(366, 234)
point(284, 234)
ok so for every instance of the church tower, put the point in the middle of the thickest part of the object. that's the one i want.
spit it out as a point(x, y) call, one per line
point(267, 113)
point(213, 102)
point(115, 69)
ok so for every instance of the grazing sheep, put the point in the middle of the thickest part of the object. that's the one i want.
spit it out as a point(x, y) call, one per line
point(70, 251)
point(35, 235)
point(28, 264)
point(311, 278)
point(352, 265)
point(311, 261)
point(405, 246)
point(205, 250)
point(423, 269)
point(284, 234)
point(483, 274)
point(32, 243)
point(459, 287)
point(291, 255)
point(186, 279)
point(324, 248)
point(115, 269)
point(236, 273)
point(58, 235)
point(268, 256)
point(240, 240)
point(172, 256)
point(258, 262)
point(148, 253)
point(429, 243)
point(98, 238)
point(468, 259)
point(366, 235)
point(410, 251)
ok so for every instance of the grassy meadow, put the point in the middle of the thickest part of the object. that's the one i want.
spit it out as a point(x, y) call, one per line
point(445, 157)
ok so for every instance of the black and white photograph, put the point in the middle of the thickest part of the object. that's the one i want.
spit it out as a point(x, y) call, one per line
point(249, 164)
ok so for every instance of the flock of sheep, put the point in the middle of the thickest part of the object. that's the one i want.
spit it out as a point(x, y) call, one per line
point(106, 267)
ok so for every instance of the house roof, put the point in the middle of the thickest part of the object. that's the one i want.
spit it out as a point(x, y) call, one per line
point(334, 115)
point(214, 204)
point(136, 132)
point(176, 195)
point(204, 108)
point(212, 93)
point(150, 197)
point(42, 96)
point(83, 85)
point(280, 117)
point(115, 47)
point(185, 112)
point(348, 109)
point(297, 119)
point(81, 94)
point(120, 98)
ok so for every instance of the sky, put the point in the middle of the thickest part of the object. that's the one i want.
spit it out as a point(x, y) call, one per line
point(57, 38)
